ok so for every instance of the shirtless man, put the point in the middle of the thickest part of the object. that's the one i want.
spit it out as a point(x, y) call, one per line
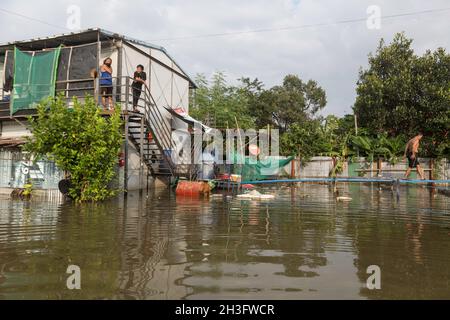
point(411, 150)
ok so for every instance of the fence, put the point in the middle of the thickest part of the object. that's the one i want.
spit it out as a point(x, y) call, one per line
point(321, 167)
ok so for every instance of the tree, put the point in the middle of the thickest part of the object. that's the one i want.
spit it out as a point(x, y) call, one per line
point(401, 93)
point(221, 102)
point(432, 72)
point(256, 98)
point(305, 140)
point(80, 141)
point(293, 102)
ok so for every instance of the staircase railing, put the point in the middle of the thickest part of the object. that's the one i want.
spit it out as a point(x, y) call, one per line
point(122, 93)
point(159, 128)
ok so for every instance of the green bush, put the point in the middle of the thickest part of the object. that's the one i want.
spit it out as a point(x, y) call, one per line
point(81, 142)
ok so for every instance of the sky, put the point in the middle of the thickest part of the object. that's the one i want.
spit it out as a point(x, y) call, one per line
point(324, 40)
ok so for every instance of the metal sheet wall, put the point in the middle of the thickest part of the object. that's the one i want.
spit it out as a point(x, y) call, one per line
point(15, 171)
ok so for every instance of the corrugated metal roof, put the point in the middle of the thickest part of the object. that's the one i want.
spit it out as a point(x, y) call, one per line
point(132, 40)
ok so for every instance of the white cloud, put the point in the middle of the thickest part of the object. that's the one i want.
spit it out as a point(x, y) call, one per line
point(331, 55)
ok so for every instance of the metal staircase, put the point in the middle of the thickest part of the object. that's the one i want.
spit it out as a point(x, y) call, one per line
point(149, 132)
point(151, 152)
point(151, 135)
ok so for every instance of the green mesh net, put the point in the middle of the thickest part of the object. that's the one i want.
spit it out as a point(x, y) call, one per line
point(252, 170)
point(34, 78)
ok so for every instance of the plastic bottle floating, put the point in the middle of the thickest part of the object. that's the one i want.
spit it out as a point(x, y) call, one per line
point(255, 195)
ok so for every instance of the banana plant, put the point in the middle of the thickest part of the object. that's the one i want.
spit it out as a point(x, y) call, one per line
point(393, 147)
point(341, 156)
point(390, 149)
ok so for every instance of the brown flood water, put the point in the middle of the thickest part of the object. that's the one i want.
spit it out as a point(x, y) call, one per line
point(302, 245)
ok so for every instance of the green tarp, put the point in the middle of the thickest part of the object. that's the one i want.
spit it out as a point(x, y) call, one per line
point(252, 170)
point(34, 78)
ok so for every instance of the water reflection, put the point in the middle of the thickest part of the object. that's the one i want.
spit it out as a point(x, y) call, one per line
point(302, 245)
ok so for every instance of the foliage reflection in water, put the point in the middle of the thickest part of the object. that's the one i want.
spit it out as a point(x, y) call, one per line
point(302, 245)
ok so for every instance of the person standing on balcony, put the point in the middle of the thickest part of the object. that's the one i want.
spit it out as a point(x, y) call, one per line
point(139, 79)
point(106, 84)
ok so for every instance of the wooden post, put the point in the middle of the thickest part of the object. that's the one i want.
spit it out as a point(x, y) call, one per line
point(431, 169)
point(119, 82)
point(127, 95)
point(397, 189)
point(356, 131)
point(433, 190)
point(97, 80)
point(379, 165)
point(293, 169)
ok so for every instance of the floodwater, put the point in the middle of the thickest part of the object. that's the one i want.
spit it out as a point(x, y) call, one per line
point(301, 245)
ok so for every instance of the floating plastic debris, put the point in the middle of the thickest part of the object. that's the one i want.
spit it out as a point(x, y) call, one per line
point(255, 195)
point(343, 199)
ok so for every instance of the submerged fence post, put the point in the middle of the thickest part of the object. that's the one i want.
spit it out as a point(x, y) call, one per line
point(431, 177)
point(397, 189)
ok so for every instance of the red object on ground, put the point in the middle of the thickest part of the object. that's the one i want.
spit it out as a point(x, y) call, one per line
point(191, 188)
point(121, 159)
point(223, 176)
point(248, 186)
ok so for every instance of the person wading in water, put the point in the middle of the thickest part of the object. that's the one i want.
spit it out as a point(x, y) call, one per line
point(411, 151)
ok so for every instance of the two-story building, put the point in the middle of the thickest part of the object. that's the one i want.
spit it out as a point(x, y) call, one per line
point(68, 64)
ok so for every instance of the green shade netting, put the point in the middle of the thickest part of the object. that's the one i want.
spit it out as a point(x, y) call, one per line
point(34, 78)
point(252, 170)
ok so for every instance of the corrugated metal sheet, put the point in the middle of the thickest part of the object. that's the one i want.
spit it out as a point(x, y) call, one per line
point(15, 172)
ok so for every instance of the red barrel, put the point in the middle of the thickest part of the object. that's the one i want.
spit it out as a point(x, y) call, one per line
point(192, 188)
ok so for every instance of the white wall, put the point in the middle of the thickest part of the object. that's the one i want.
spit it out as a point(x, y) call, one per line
point(137, 178)
point(161, 85)
point(2, 67)
point(12, 129)
point(180, 93)
point(1, 74)
point(131, 58)
point(167, 87)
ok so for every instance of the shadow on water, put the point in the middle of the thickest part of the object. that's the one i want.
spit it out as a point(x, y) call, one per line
point(301, 245)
